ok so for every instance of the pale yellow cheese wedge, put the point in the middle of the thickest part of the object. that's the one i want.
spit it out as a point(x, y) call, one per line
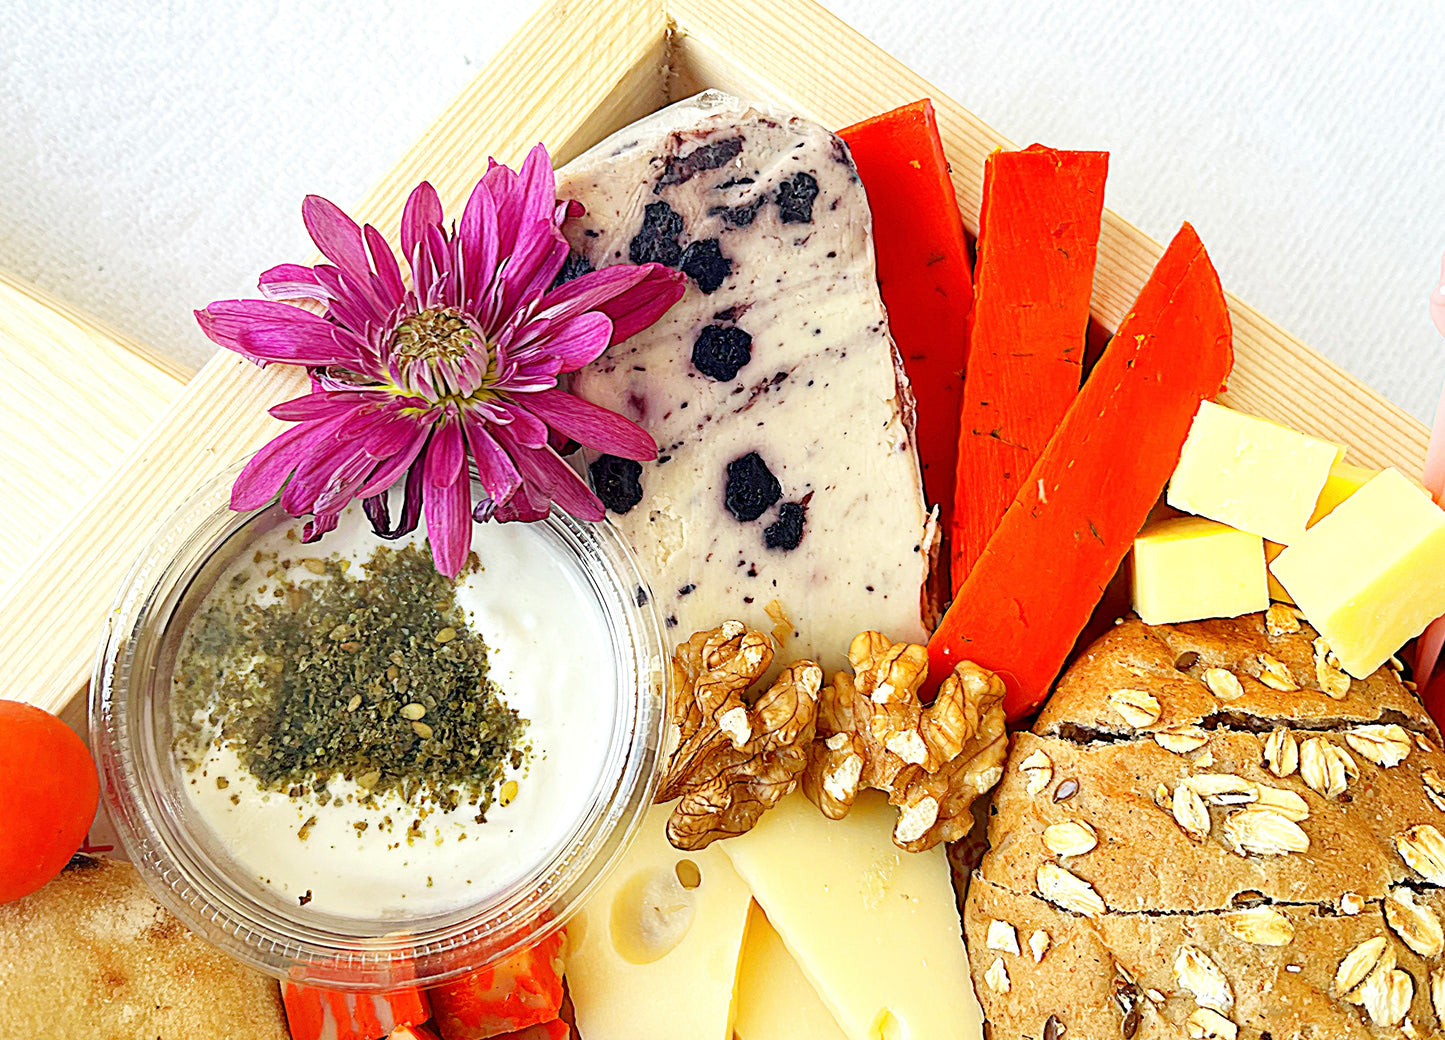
point(1189, 568)
point(1250, 473)
point(874, 929)
point(654, 953)
point(1371, 574)
point(1344, 480)
point(775, 999)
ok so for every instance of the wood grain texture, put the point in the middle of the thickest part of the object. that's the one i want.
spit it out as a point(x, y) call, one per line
point(576, 71)
point(535, 90)
point(77, 397)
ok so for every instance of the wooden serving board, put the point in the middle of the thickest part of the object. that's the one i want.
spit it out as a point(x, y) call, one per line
point(575, 72)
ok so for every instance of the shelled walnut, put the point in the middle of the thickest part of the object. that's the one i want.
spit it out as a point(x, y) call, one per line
point(735, 757)
point(933, 761)
point(737, 754)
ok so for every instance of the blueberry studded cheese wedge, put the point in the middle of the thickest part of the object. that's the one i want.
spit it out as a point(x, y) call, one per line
point(786, 470)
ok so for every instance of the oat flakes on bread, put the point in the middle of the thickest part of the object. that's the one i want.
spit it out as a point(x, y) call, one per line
point(91, 956)
point(1207, 835)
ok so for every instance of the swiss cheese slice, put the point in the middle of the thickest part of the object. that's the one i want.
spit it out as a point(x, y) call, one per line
point(874, 929)
point(654, 953)
point(775, 999)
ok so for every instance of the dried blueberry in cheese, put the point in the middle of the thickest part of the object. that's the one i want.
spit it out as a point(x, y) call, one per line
point(787, 530)
point(618, 482)
point(807, 435)
point(656, 240)
point(679, 169)
point(705, 264)
point(721, 351)
point(796, 197)
point(750, 489)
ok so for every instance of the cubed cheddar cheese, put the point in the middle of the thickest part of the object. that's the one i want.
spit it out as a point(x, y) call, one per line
point(1188, 568)
point(1371, 574)
point(654, 953)
point(775, 999)
point(1344, 480)
point(874, 929)
point(1250, 473)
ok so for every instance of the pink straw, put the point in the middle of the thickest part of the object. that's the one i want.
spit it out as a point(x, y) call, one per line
point(1433, 638)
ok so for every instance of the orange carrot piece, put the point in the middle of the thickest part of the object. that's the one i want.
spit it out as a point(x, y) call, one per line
point(1076, 515)
point(326, 1014)
point(923, 273)
point(1037, 240)
point(522, 990)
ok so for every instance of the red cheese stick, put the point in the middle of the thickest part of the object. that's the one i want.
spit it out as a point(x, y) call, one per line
point(1076, 515)
point(923, 274)
point(324, 1014)
point(1038, 236)
point(519, 991)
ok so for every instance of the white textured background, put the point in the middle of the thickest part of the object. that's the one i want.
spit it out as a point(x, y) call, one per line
point(154, 153)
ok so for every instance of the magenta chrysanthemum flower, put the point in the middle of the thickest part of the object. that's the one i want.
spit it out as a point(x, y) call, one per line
point(413, 381)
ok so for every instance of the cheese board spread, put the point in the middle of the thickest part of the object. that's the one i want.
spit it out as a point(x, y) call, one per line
point(662, 619)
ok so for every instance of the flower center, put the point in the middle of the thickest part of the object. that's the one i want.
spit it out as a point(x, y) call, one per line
point(434, 335)
point(437, 355)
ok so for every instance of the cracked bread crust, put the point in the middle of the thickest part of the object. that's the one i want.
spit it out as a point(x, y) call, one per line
point(1074, 982)
point(1171, 661)
point(1165, 886)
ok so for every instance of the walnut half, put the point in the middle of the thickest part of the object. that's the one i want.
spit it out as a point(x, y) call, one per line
point(934, 760)
point(736, 756)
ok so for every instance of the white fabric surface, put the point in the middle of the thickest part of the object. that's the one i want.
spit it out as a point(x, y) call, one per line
point(154, 153)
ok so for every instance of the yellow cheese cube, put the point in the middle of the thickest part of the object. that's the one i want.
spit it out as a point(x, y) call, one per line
point(1189, 568)
point(654, 953)
point(874, 929)
point(1344, 480)
point(1371, 574)
point(1250, 473)
point(775, 1000)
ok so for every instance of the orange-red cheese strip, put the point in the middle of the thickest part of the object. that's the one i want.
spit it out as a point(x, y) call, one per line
point(522, 990)
point(1038, 236)
point(923, 274)
point(323, 1014)
point(1065, 534)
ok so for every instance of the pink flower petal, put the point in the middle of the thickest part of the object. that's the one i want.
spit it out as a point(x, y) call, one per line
point(578, 341)
point(389, 470)
point(291, 282)
point(446, 455)
point(423, 210)
point(265, 331)
point(337, 236)
point(261, 478)
point(592, 425)
point(522, 426)
point(448, 508)
point(538, 185)
point(495, 471)
point(478, 236)
point(388, 273)
point(634, 297)
point(326, 404)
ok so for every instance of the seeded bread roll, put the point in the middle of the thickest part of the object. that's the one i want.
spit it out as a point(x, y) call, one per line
point(1206, 827)
point(92, 955)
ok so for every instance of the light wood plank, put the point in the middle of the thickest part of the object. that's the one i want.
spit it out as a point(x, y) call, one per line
point(837, 77)
point(77, 397)
point(536, 89)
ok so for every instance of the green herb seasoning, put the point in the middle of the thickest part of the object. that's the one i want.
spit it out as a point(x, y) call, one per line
point(376, 678)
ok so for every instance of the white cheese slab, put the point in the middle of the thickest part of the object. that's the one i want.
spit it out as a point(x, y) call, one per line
point(796, 373)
